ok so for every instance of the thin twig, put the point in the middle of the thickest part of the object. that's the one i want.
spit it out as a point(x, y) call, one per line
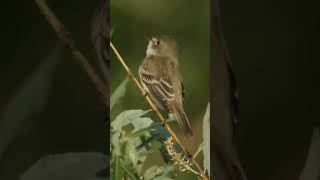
point(65, 37)
point(155, 109)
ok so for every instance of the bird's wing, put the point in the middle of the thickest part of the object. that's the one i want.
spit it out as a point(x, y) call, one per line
point(157, 82)
point(183, 91)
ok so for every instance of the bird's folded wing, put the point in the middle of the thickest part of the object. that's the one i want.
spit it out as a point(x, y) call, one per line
point(160, 87)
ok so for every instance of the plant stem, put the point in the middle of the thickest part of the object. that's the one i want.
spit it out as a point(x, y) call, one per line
point(66, 39)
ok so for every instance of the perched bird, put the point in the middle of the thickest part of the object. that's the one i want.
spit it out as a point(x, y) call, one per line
point(161, 79)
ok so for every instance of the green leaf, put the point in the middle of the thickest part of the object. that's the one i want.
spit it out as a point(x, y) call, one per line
point(118, 93)
point(141, 123)
point(134, 155)
point(156, 172)
point(127, 117)
point(129, 172)
point(128, 147)
point(138, 156)
point(206, 139)
point(142, 131)
point(123, 119)
point(118, 173)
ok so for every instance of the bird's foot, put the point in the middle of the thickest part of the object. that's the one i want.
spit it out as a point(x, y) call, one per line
point(164, 123)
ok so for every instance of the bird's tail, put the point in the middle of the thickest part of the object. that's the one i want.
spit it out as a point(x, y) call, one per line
point(182, 119)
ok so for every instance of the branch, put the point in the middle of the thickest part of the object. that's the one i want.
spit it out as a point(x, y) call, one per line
point(157, 112)
point(66, 39)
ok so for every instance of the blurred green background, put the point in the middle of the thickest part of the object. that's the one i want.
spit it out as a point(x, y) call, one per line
point(189, 24)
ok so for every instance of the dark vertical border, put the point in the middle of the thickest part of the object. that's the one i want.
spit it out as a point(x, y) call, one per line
point(211, 89)
point(107, 54)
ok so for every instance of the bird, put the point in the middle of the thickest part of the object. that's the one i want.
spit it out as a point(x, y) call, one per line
point(161, 79)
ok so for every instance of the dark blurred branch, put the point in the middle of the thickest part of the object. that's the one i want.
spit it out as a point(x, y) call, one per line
point(226, 164)
point(157, 112)
point(66, 39)
point(104, 18)
point(100, 35)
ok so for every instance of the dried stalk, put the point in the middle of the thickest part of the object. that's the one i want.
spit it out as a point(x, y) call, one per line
point(179, 160)
point(66, 39)
point(155, 109)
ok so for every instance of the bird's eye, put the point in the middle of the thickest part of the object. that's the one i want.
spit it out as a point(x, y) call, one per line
point(157, 42)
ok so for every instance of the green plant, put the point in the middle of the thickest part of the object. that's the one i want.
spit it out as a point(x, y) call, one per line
point(130, 133)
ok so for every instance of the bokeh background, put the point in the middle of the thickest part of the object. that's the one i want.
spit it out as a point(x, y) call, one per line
point(189, 24)
point(47, 104)
point(274, 47)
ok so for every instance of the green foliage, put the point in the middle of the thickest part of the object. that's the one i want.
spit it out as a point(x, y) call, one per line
point(159, 173)
point(117, 173)
point(122, 143)
point(119, 93)
point(132, 134)
point(127, 131)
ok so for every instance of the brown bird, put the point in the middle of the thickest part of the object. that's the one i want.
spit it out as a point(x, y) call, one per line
point(161, 79)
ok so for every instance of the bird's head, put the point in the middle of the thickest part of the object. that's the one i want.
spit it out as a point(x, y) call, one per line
point(161, 46)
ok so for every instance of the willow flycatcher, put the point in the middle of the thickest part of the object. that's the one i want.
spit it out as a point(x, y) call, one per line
point(161, 79)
